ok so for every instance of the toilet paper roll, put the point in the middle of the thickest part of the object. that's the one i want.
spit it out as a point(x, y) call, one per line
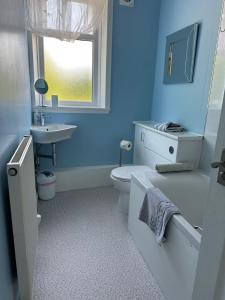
point(126, 145)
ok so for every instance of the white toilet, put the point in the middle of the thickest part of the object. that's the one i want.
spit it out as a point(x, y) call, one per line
point(153, 147)
point(121, 178)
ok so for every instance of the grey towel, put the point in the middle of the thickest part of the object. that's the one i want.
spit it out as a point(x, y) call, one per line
point(169, 127)
point(177, 167)
point(156, 212)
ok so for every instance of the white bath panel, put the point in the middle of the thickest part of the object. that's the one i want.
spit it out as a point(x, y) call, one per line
point(187, 191)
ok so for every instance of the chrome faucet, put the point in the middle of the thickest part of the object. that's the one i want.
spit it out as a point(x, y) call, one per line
point(39, 118)
point(42, 119)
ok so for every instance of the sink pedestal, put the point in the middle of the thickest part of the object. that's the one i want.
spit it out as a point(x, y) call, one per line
point(52, 156)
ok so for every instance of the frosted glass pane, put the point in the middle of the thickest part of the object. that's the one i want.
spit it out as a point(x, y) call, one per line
point(218, 83)
point(68, 70)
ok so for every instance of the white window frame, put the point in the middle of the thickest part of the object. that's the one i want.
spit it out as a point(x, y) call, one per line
point(102, 44)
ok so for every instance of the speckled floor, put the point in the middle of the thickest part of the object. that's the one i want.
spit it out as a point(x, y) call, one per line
point(85, 251)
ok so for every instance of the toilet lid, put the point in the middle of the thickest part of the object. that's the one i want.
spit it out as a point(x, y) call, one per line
point(124, 173)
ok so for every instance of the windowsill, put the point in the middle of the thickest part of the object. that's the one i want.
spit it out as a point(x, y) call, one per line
point(76, 110)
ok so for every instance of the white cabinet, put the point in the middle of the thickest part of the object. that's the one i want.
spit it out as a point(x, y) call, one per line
point(162, 145)
point(155, 147)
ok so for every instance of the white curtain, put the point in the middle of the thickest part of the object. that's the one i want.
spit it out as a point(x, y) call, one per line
point(63, 19)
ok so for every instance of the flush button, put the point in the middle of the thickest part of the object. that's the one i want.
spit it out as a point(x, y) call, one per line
point(171, 150)
point(12, 172)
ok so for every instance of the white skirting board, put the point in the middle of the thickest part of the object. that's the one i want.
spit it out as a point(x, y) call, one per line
point(83, 177)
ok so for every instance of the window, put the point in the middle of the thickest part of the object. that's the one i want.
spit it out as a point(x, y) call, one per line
point(78, 73)
point(68, 69)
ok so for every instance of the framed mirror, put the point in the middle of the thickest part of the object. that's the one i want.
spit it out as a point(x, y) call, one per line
point(180, 55)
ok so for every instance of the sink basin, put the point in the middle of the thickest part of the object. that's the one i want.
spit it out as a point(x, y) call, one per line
point(52, 133)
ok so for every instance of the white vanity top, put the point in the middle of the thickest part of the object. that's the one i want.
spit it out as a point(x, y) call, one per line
point(186, 135)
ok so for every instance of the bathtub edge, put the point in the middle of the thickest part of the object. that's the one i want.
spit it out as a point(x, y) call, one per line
point(178, 220)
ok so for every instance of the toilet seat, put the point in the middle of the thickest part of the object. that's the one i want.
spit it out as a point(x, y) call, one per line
point(121, 178)
point(124, 173)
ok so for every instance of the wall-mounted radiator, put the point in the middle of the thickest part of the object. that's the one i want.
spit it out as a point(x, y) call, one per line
point(23, 202)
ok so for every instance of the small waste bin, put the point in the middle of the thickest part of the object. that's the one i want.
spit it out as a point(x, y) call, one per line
point(46, 185)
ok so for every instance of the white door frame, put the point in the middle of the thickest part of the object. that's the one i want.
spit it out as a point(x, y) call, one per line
point(212, 250)
point(213, 237)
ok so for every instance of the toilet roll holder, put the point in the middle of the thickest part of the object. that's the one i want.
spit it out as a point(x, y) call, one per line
point(120, 160)
point(128, 147)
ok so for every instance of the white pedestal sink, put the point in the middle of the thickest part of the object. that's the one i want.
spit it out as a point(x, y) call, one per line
point(52, 133)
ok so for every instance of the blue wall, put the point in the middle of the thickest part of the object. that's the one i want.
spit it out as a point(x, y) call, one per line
point(96, 142)
point(186, 103)
point(14, 122)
